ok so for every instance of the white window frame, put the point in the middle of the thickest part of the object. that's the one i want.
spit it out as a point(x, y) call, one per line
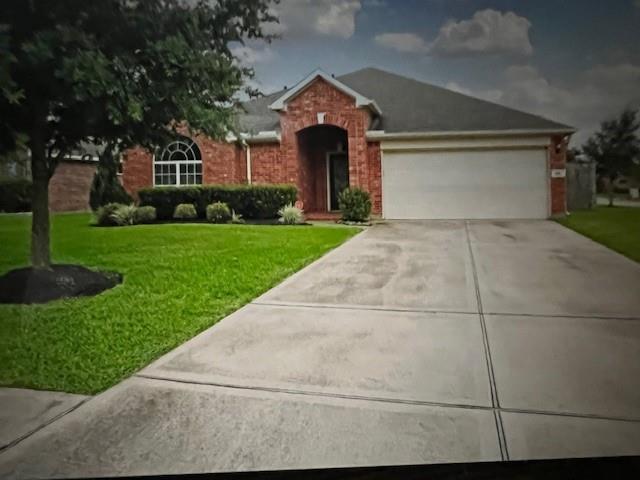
point(178, 163)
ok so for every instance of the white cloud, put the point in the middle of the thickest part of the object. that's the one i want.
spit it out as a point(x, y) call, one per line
point(487, 32)
point(402, 42)
point(250, 56)
point(315, 17)
point(597, 94)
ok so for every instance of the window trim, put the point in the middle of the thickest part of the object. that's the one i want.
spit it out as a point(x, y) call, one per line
point(177, 163)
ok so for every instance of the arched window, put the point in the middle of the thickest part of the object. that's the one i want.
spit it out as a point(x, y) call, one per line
point(180, 163)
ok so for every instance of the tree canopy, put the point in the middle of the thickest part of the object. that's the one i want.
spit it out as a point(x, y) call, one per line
point(119, 72)
point(615, 147)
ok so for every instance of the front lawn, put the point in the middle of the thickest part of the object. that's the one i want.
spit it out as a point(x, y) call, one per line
point(179, 279)
point(616, 227)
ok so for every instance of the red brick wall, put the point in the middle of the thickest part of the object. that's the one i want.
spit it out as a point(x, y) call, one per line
point(340, 110)
point(375, 176)
point(558, 186)
point(221, 162)
point(137, 170)
point(266, 166)
point(70, 186)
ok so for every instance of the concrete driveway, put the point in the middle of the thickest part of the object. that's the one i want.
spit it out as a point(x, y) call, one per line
point(412, 343)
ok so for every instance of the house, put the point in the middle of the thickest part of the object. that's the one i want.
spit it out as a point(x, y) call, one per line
point(421, 151)
point(70, 184)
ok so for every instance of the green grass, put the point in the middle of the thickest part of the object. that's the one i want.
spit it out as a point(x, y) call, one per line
point(178, 280)
point(615, 227)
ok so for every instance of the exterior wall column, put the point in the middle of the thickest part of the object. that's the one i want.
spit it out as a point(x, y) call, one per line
point(558, 185)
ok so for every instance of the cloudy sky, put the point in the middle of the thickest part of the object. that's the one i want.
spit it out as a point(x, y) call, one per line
point(574, 61)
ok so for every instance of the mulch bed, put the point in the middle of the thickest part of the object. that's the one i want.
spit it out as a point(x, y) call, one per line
point(30, 285)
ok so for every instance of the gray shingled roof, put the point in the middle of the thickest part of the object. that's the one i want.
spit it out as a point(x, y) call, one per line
point(258, 116)
point(412, 106)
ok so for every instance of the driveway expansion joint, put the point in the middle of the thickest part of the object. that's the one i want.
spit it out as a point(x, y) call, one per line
point(487, 349)
point(502, 441)
point(401, 401)
point(269, 303)
point(375, 308)
point(313, 393)
point(21, 438)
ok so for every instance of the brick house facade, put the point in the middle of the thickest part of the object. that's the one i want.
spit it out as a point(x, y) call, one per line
point(314, 125)
point(298, 157)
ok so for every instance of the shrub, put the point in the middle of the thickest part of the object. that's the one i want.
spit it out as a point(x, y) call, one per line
point(250, 201)
point(236, 218)
point(355, 205)
point(104, 213)
point(145, 215)
point(218, 212)
point(15, 195)
point(185, 211)
point(124, 215)
point(290, 215)
point(105, 188)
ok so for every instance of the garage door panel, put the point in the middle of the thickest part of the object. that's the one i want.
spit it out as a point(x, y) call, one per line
point(465, 184)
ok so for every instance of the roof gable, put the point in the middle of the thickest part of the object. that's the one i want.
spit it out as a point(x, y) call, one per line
point(360, 100)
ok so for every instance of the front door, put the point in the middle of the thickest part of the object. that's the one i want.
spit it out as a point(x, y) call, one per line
point(338, 177)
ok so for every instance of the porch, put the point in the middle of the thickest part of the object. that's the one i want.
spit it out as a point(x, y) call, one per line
point(323, 169)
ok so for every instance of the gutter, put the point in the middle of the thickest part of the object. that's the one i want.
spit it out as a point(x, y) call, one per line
point(382, 135)
point(260, 137)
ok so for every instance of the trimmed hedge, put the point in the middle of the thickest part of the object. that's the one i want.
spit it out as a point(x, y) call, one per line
point(251, 201)
point(15, 195)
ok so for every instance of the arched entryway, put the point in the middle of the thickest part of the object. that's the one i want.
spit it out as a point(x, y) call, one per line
point(324, 166)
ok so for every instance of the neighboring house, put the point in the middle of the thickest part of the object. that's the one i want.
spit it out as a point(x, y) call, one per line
point(70, 184)
point(421, 151)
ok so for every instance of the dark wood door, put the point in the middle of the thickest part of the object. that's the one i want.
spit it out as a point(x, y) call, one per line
point(338, 177)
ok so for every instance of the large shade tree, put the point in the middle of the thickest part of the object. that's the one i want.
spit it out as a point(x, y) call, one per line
point(615, 147)
point(117, 73)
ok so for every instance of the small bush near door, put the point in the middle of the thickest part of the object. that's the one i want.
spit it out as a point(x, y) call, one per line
point(355, 205)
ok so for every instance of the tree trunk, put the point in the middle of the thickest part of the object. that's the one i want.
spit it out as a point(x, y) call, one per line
point(40, 255)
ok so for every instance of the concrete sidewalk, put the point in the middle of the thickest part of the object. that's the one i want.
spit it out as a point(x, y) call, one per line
point(414, 342)
point(23, 412)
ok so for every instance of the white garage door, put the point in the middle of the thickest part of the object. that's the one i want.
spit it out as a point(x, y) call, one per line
point(464, 184)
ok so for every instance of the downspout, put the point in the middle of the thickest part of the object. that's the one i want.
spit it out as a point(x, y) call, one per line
point(248, 164)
